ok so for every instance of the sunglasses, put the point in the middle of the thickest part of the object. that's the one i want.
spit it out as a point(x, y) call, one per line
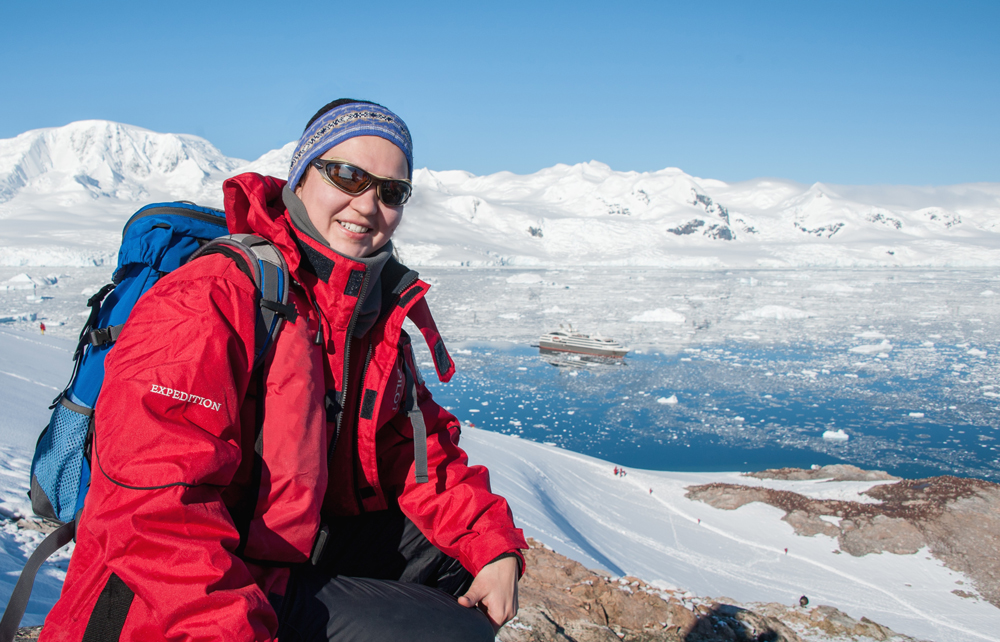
point(353, 180)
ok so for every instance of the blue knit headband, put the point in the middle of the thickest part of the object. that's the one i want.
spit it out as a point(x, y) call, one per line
point(348, 121)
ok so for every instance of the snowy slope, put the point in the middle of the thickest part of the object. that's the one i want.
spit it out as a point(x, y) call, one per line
point(33, 369)
point(65, 192)
point(576, 505)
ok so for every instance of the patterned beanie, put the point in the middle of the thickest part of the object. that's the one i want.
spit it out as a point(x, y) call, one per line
point(344, 119)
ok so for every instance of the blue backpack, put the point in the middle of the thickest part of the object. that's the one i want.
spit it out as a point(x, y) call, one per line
point(156, 240)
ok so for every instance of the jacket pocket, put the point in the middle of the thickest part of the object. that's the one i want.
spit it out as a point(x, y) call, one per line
point(59, 464)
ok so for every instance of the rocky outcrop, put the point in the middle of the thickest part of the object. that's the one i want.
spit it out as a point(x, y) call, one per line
point(957, 518)
point(28, 633)
point(833, 472)
point(561, 601)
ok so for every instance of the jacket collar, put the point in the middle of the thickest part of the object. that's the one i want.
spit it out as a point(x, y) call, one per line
point(255, 205)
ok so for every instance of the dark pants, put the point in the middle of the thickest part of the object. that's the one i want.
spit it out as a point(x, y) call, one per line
point(379, 579)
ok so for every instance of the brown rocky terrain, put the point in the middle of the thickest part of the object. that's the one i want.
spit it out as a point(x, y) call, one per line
point(834, 472)
point(561, 601)
point(27, 633)
point(958, 519)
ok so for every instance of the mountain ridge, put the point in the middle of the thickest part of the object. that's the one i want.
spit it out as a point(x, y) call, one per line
point(583, 214)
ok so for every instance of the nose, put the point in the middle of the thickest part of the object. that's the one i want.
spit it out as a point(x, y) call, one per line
point(367, 201)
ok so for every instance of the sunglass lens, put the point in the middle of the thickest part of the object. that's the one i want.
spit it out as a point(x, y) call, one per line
point(351, 179)
point(394, 193)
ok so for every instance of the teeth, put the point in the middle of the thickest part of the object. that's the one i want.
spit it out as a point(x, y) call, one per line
point(351, 227)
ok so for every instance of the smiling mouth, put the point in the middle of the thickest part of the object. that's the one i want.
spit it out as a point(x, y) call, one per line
point(351, 227)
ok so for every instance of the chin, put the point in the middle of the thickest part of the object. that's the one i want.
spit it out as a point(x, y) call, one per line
point(352, 251)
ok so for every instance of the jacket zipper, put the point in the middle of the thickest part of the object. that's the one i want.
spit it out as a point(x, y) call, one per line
point(357, 456)
point(345, 380)
point(322, 319)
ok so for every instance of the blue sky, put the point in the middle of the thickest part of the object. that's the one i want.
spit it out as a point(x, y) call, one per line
point(840, 92)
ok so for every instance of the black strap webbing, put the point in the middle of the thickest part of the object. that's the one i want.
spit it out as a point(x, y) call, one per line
point(22, 590)
point(243, 513)
point(108, 617)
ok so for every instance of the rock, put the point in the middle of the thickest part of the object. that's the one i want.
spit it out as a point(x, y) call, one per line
point(957, 518)
point(833, 472)
point(39, 524)
point(808, 524)
point(827, 622)
point(728, 496)
point(879, 534)
point(27, 633)
point(562, 601)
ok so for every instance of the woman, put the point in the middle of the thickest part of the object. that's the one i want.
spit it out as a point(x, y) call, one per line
point(294, 506)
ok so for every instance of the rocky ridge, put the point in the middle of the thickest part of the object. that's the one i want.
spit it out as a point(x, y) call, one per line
point(956, 518)
point(561, 601)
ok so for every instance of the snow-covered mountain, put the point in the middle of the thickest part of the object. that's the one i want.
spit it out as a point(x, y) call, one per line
point(95, 159)
point(65, 192)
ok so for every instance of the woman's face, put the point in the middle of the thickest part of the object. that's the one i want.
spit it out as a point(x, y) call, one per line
point(358, 225)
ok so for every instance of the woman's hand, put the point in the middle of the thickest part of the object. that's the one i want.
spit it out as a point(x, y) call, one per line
point(494, 591)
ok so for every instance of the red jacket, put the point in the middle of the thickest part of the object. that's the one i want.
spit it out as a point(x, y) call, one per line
point(174, 441)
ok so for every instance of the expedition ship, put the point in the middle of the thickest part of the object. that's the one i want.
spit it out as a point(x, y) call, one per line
point(576, 342)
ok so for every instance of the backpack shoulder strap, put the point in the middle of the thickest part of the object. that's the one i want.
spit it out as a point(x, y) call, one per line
point(18, 602)
point(260, 260)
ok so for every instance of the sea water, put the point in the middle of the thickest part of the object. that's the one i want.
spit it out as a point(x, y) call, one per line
point(760, 362)
point(735, 370)
point(694, 413)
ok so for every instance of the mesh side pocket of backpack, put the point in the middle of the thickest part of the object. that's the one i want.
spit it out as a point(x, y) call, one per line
point(58, 464)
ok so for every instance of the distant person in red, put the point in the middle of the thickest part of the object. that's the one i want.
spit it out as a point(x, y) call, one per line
point(616, 471)
point(42, 327)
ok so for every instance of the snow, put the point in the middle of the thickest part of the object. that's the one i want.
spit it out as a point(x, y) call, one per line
point(585, 214)
point(526, 278)
point(873, 348)
point(778, 312)
point(577, 506)
point(661, 315)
